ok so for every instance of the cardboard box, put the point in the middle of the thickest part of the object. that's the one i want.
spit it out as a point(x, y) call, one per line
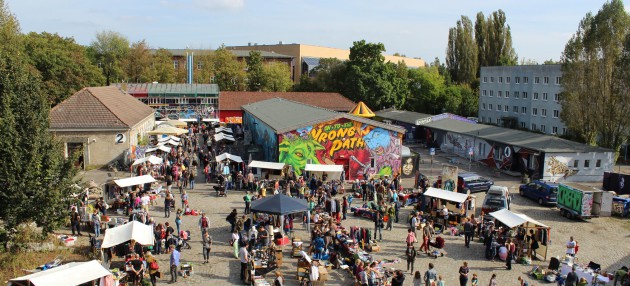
point(323, 274)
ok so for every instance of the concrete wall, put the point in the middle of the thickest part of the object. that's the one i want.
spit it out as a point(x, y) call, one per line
point(520, 81)
point(571, 167)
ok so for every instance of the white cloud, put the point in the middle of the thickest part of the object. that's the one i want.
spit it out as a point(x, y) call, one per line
point(220, 4)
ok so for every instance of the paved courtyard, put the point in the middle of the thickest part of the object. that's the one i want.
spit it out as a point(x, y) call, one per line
point(602, 240)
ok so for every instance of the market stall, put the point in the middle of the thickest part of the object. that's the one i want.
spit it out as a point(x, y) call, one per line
point(167, 130)
point(175, 123)
point(525, 223)
point(223, 129)
point(224, 137)
point(458, 204)
point(168, 138)
point(273, 170)
point(71, 274)
point(332, 171)
point(151, 159)
point(228, 156)
point(162, 148)
point(133, 233)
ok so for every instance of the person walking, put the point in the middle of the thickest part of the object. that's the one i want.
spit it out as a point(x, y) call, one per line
point(178, 219)
point(378, 225)
point(511, 248)
point(168, 200)
point(463, 274)
point(243, 256)
point(184, 199)
point(204, 223)
point(206, 242)
point(469, 229)
point(75, 221)
point(96, 221)
point(417, 279)
point(410, 253)
point(248, 202)
point(231, 218)
point(391, 212)
point(174, 263)
point(153, 266)
point(493, 280)
point(430, 276)
point(426, 237)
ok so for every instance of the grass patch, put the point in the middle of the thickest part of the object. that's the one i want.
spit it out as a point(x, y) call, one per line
point(12, 265)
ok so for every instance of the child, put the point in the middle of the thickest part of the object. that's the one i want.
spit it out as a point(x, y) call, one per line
point(475, 280)
point(440, 282)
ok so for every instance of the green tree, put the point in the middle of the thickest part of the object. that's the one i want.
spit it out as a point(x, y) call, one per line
point(137, 63)
point(461, 52)
point(481, 36)
point(161, 69)
point(110, 48)
point(35, 179)
point(494, 40)
point(595, 102)
point(427, 90)
point(204, 67)
point(255, 71)
point(64, 66)
point(276, 77)
point(229, 73)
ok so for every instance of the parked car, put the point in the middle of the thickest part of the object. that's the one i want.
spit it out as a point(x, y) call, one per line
point(473, 182)
point(540, 191)
point(494, 202)
point(501, 191)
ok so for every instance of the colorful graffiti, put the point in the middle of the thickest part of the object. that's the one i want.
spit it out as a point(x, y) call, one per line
point(364, 150)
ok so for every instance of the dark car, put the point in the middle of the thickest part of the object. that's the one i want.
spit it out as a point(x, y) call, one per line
point(473, 182)
point(540, 191)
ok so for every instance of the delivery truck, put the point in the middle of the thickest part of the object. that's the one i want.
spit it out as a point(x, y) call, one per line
point(579, 201)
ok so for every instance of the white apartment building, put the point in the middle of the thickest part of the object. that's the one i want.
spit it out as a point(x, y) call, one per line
point(525, 97)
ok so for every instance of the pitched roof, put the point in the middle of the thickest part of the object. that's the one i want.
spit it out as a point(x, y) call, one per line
point(284, 115)
point(237, 53)
point(530, 140)
point(401, 115)
point(233, 100)
point(105, 107)
point(362, 110)
point(155, 89)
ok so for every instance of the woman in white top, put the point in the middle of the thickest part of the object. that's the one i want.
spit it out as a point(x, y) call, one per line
point(314, 273)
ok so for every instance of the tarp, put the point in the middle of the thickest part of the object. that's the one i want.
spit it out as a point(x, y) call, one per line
point(140, 180)
point(511, 219)
point(446, 195)
point(266, 165)
point(223, 129)
point(221, 136)
point(159, 147)
point(168, 130)
point(333, 171)
point(71, 274)
point(167, 138)
point(279, 204)
point(151, 159)
point(228, 156)
point(175, 123)
point(135, 230)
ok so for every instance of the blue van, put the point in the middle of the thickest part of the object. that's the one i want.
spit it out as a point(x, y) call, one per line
point(540, 191)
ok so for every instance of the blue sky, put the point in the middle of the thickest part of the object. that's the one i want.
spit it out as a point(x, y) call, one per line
point(415, 28)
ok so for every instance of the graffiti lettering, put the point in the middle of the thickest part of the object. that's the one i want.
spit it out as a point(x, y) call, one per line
point(346, 144)
point(341, 136)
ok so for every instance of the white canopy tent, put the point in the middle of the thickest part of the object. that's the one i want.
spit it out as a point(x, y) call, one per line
point(139, 180)
point(221, 136)
point(266, 165)
point(228, 156)
point(135, 230)
point(159, 147)
point(71, 274)
point(446, 195)
point(223, 129)
point(188, 119)
point(333, 171)
point(168, 130)
point(210, 120)
point(511, 219)
point(151, 159)
point(168, 138)
point(169, 142)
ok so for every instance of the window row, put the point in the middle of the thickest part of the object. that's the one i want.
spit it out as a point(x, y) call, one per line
point(523, 80)
point(518, 95)
point(587, 163)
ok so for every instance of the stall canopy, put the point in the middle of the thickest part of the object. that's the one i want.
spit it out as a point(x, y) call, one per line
point(333, 171)
point(221, 136)
point(511, 219)
point(279, 204)
point(135, 230)
point(446, 195)
point(159, 147)
point(140, 180)
point(168, 130)
point(74, 273)
point(151, 159)
point(169, 142)
point(223, 129)
point(167, 138)
point(210, 120)
point(228, 156)
point(266, 165)
point(175, 123)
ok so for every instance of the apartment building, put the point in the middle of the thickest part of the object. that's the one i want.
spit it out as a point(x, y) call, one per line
point(525, 97)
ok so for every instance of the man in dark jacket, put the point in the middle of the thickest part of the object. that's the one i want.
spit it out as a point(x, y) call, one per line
point(468, 232)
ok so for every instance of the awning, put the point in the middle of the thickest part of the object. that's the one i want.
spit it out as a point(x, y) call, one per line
point(279, 204)
point(511, 219)
point(71, 274)
point(140, 180)
point(159, 147)
point(135, 230)
point(228, 156)
point(176, 123)
point(311, 62)
point(210, 120)
point(446, 195)
point(188, 119)
point(169, 142)
point(168, 130)
point(266, 165)
point(223, 129)
point(333, 171)
point(151, 159)
point(221, 136)
point(167, 138)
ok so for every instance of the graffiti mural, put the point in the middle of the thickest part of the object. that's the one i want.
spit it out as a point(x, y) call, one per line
point(364, 150)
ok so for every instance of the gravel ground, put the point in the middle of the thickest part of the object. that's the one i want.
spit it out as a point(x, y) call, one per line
point(602, 240)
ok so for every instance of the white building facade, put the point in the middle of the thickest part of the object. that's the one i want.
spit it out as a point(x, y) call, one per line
point(523, 97)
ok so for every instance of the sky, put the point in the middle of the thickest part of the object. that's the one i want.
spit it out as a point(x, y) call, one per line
point(415, 28)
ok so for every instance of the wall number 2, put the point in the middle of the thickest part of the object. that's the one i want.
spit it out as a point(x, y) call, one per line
point(120, 138)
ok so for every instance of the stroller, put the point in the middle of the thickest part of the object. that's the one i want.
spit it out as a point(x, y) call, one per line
point(220, 191)
point(183, 240)
point(438, 246)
